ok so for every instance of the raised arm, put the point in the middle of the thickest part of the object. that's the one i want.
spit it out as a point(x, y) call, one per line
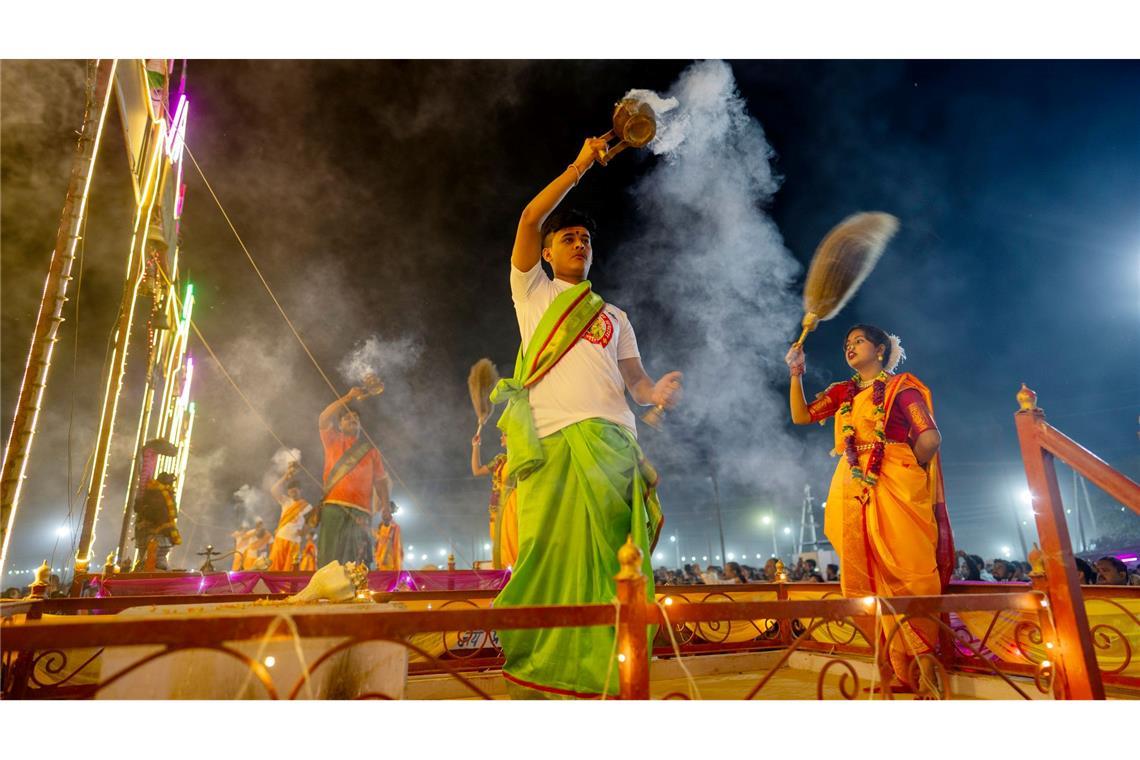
point(665, 392)
point(796, 364)
point(528, 239)
point(332, 411)
point(477, 469)
point(278, 489)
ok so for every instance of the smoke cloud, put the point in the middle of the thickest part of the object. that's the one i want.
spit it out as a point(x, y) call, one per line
point(252, 503)
point(713, 261)
point(383, 358)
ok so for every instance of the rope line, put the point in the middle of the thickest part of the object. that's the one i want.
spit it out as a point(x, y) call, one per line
point(226, 374)
point(257, 270)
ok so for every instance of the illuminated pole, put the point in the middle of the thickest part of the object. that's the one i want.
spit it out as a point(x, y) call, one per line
point(1020, 533)
point(140, 435)
point(719, 524)
point(117, 365)
point(169, 348)
point(50, 313)
point(184, 454)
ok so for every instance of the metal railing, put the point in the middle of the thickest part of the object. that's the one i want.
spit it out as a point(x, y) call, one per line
point(1046, 622)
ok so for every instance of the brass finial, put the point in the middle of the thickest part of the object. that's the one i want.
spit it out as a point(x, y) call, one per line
point(451, 562)
point(1036, 561)
point(781, 572)
point(38, 589)
point(629, 557)
point(358, 575)
point(1026, 398)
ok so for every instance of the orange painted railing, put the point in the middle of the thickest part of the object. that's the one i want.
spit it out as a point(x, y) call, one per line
point(1051, 612)
point(1040, 444)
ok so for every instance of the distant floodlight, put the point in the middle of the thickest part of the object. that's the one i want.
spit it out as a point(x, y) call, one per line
point(787, 531)
point(704, 559)
point(766, 519)
point(486, 547)
point(423, 556)
point(673, 538)
point(731, 555)
point(62, 531)
point(1025, 495)
point(443, 552)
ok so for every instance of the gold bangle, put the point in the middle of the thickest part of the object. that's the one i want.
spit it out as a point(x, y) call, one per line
point(576, 171)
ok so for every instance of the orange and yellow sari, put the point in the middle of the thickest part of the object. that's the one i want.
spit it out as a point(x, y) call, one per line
point(504, 526)
point(893, 538)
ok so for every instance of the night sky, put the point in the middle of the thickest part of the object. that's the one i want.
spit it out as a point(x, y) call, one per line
point(380, 200)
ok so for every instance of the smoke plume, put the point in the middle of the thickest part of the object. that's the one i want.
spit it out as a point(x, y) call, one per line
point(376, 356)
point(709, 257)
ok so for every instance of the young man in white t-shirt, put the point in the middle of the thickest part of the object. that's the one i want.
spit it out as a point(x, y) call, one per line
point(583, 485)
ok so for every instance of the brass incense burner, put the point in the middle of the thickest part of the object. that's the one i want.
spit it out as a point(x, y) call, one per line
point(372, 385)
point(635, 125)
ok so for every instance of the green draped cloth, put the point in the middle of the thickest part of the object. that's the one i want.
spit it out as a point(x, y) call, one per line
point(581, 491)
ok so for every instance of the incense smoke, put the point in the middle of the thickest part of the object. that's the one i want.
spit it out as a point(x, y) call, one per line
point(252, 503)
point(710, 258)
point(375, 356)
point(280, 462)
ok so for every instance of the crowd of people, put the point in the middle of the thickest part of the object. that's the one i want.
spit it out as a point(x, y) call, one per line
point(1106, 571)
point(804, 571)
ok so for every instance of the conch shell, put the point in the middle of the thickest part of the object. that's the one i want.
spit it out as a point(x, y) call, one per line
point(331, 582)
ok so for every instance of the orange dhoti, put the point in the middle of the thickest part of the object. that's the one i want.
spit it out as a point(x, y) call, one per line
point(283, 555)
point(308, 557)
point(389, 549)
point(890, 536)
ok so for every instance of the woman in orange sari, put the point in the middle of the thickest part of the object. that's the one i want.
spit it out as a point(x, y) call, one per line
point(503, 509)
point(886, 514)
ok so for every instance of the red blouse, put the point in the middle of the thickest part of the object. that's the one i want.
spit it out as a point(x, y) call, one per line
point(909, 417)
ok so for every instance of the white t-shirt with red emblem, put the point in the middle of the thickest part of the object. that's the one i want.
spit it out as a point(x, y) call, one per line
point(587, 382)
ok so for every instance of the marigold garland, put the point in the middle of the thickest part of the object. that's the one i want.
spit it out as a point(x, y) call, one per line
point(875, 462)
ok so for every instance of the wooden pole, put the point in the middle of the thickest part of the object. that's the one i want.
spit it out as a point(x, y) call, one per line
point(50, 313)
point(151, 174)
point(632, 638)
point(1079, 673)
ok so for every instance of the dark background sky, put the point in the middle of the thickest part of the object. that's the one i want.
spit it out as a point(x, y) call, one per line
point(380, 199)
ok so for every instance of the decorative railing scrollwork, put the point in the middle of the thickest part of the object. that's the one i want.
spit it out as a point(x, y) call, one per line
point(848, 680)
point(1108, 638)
point(54, 661)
